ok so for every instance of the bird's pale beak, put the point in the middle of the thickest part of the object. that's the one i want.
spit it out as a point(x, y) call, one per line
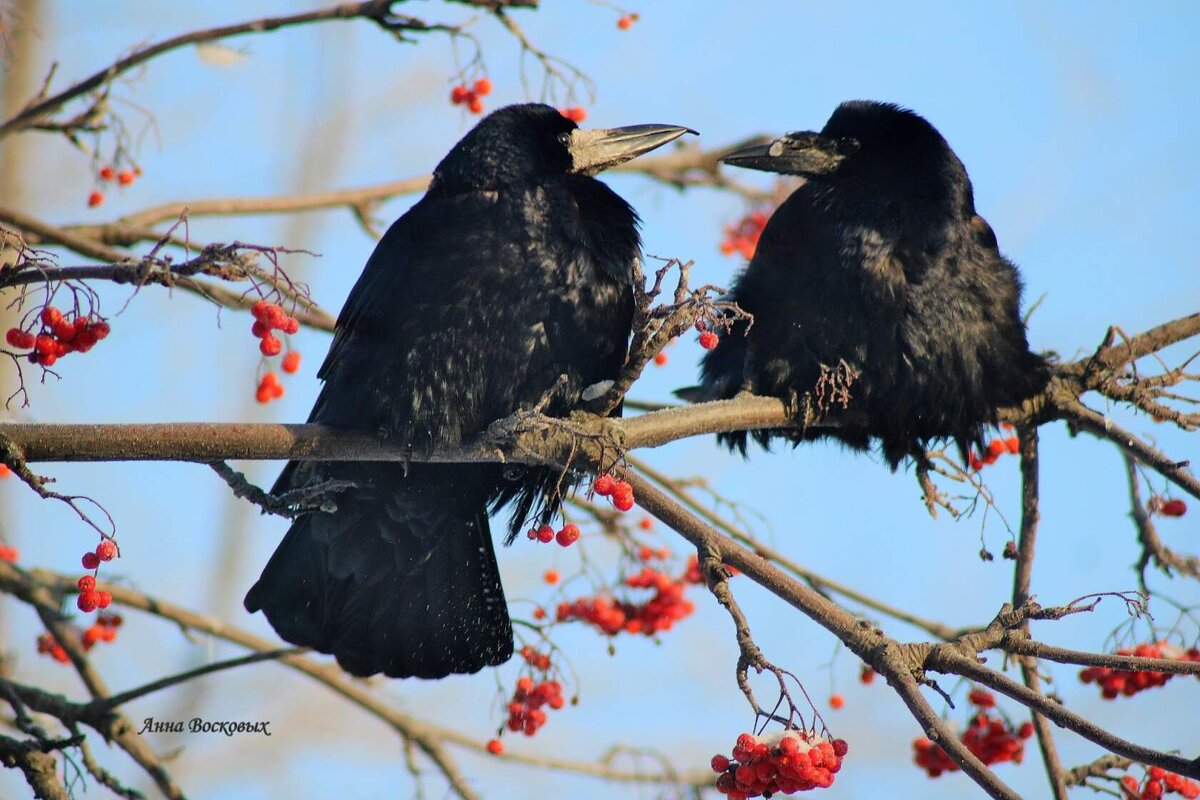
point(805, 153)
point(594, 151)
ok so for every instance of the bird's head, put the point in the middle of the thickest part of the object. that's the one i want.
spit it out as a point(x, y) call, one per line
point(532, 140)
point(860, 137)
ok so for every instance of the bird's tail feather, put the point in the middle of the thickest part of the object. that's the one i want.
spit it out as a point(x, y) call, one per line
point(401, 580)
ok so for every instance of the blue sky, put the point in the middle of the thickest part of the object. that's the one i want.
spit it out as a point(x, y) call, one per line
point(1077, 122)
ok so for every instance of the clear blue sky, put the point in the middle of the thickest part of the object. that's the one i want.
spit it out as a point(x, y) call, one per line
point(1078, 123)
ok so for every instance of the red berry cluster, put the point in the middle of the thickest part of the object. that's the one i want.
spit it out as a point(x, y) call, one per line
point(742, 237)
point(104, 629)
point(620, 492)
point(626, 21)
point(659, 613)
point(270, 317)
point(993, 740)
point(1158, 782)
point(566, 536)
point(786, 762)
point(59, 336)
point(537, 660)
point(89, 598)
point(648, 553)
point(574, 113)
point(9, 553)
point(1167, 508)
point(124, 177)
point(1116, 682)
point(462, 96)
point(995, 449)
point(525, 712)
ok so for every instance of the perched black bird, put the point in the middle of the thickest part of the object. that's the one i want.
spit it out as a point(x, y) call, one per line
point(512, 270)
point(876, 288)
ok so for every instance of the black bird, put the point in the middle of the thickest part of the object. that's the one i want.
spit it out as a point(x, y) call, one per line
point(515, 268)
point(877, 292)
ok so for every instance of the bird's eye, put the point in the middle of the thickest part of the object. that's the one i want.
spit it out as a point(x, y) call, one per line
point(848, 145)
point(564, 139)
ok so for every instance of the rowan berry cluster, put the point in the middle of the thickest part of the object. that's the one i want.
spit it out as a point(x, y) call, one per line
point(574, 113)
point(1157, 782)
point(566, 536)
point(626, 21)
point(742, 237)
point(270, 317)
point(89, 598)
point(104, 629)
point(525, 714)
point(1115, 682)
point(995, 449)
point(461, 95)
point(992, 740)
point(59, 335)
point(610, 616)
point(107, 174)
point(1167, 508)
point(785, 762)
point(534, 658)
point(620, 492)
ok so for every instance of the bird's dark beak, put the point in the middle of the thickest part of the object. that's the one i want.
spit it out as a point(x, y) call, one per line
point(594, 151)
point(804, 153)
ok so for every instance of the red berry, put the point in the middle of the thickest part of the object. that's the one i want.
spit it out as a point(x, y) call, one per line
point(708, 340)
point(458, 95)
point(259, 329)
point(622, 496)
point(475, 105)
point(86, 584)
point(836, 702)
point(107, 173)
point(645, 523)
point(840, 747)
point(551, 576)
point(604, 485)
point(545, 534)
point(483, 87)
point(51, 315)
point(495, 747)
point(261, 310)
point(867, 676)
point(106, 550)
point(660, 359)
point(291, 362)
point(539, 613)
point(625, 23)
point(88, 602)
point(719, 763)
point(101, 330)
point(125, 177)
point(996, 448)
point(981, 698)
point(14, 337)
point(103, 599)
point(569, 535)
point(95, 198)
point(270, 346)
point(291, 326)
point(1013, 444)
point(1173, 508)
point(91, 561)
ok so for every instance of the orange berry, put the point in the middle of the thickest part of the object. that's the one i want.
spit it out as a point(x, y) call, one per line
point(107, 173)
point(475, 105)
point(291, 362)
point(483, 87)
point(836, 702)
point(125, 177)
point(95, 198)
point(551, 576)
point(660, 359)
point(996, 448)
point(495, 747)
point(1013, 444)
point(458, 95)
point(646, 523)
point(625, 22)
